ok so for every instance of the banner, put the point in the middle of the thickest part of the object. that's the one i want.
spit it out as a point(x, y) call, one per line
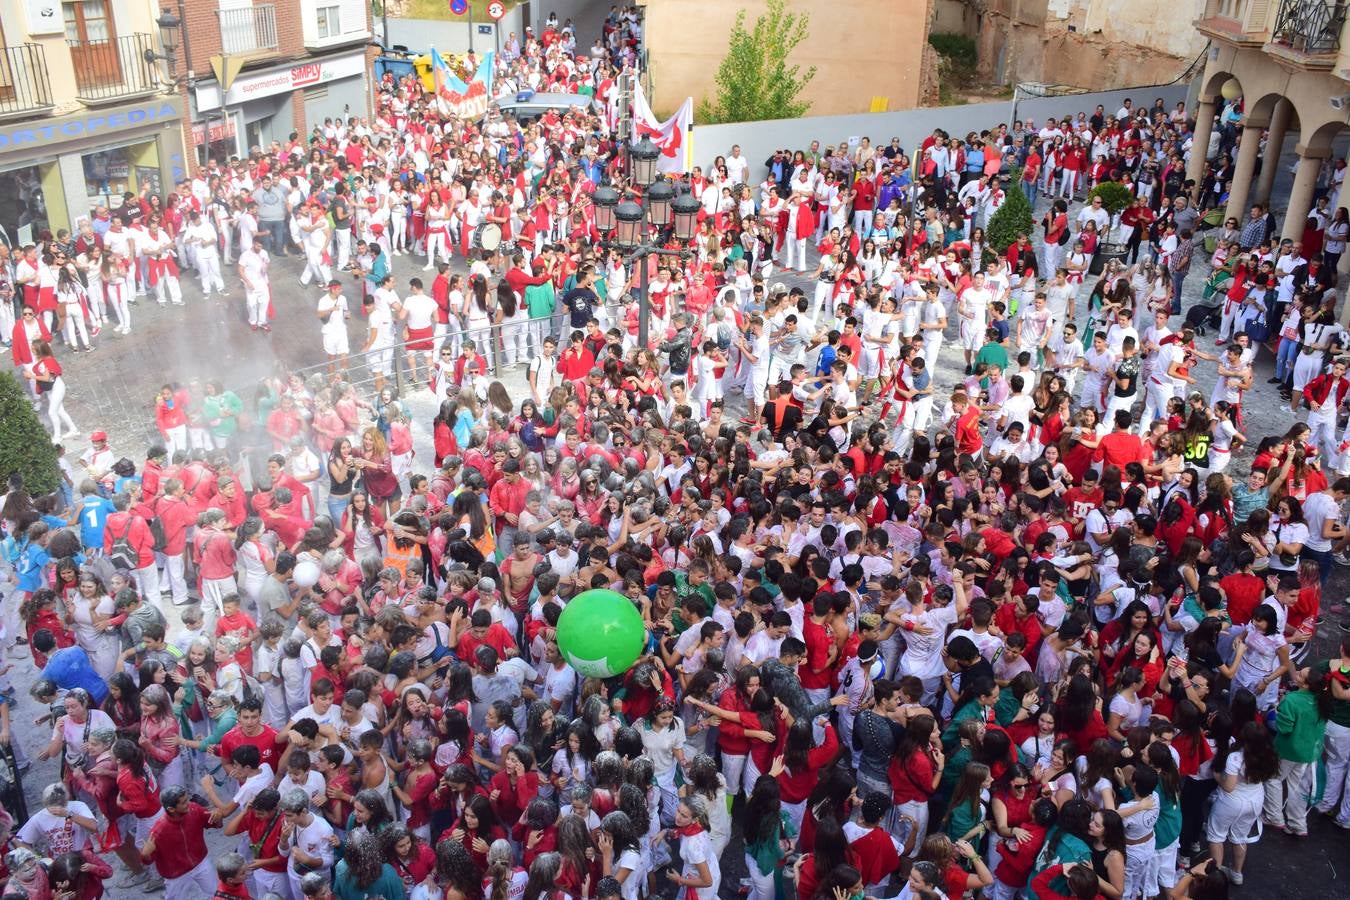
point(673, 136)
point(454, 97)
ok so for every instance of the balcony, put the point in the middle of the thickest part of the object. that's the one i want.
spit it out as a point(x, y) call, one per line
point(1240, 23)
point(1307, 33)
point(24, 87)
point(111, 71)
point(248, 31)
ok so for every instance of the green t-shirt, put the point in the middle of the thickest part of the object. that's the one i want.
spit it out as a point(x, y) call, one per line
point(1168, 827)
point(993, 354)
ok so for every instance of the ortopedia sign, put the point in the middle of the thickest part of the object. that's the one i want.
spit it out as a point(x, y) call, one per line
point(281, 81)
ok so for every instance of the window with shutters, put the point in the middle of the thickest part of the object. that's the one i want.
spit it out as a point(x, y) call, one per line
point(328, 22)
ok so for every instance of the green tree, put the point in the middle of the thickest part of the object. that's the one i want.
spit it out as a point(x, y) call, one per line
point(1013, 218)
point(755, 80)
point(25, 446)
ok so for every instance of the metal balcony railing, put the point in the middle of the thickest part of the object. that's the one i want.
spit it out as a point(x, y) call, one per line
point(1311, 27)
point(24, 86)
point(251, 29)
point(112, 69)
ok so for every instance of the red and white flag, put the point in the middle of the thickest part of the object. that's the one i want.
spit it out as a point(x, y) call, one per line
point(673, 136)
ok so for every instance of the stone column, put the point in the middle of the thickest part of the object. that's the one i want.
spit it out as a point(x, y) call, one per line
point(1248, 147)
point(1300, 197)
point(1270, 165)
point(1204, 127)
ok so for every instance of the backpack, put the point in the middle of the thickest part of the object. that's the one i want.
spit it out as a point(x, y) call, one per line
point(160, 539)
point(124, 556)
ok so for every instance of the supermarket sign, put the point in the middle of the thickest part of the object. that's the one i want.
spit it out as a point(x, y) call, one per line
point(282, 80)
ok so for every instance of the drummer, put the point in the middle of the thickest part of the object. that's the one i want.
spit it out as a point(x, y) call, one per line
point(499, 213)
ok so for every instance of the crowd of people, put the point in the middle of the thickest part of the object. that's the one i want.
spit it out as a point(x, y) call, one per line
point(1007, 639)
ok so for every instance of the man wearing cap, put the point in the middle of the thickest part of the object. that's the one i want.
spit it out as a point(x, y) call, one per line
point(253, 263)
point(98, 459)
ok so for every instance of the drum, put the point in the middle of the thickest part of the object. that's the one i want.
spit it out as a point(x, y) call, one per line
point(487, 236)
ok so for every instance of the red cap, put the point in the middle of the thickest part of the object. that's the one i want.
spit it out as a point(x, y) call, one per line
point(98, 436)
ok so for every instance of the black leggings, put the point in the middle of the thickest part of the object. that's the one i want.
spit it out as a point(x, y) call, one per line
point(1193, 796)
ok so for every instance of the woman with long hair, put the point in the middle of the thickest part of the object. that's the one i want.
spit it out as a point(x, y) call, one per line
point(46, 375)
point(342, 474)
point(915, 772)
point(376, 465)
point(362, 526)
point(478, 317)
point(1241, 770)
point(767, 829)
point(137, 791)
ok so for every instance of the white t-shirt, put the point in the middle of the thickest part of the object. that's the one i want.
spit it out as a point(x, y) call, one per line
point(420, 310)
point(923, 656)
point(53, 836)
point(313, 840)
point(382, 323)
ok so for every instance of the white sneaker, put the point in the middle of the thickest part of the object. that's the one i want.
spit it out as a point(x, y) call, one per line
point(426, 268)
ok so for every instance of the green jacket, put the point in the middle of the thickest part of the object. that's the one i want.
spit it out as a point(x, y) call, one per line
point(540, 300)
point(1299, 728)
point(221, 413)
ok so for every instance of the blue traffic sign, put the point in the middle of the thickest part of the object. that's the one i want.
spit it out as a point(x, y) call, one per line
point(459, 7)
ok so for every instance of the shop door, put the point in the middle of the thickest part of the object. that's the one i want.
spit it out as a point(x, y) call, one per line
point(92, 38)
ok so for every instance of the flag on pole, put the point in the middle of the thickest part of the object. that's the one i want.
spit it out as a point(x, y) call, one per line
point(453, 96)
point(672, 135)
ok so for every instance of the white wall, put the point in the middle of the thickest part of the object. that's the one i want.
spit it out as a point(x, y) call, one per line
point(447, 35)
point(758, 140)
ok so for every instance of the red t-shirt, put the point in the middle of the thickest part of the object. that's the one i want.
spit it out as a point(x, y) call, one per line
point(817, 651)
point(968, 439)
point(265, 741)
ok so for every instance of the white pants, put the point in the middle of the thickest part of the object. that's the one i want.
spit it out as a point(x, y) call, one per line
point(916, 811)
point(173, 570)
point(75, 326)
point(176, 439)
point(315, 267)
point(214, 590)
point(1141, 870)
point(733, 770)
point(56, 408)
point(208, 266)
point(438, 247)
point(399, 226)
point(1323, 435)
point(761, 884)
point(147, 582)
point(342, 243)
point(1155, 403)
point(7, 318)
point(1287, 796)
point(257, 306)
point(1227, 317)
point(168, 286)
point(515, 340)
point(202, 877)
point(1336, 745)
point(265, 883)
point(1114, 403)
point(794, 248)
point(117, 299)
point(932, 344)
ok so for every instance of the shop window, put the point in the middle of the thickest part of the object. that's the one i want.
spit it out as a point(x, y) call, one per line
point(330, 22)
point(23, 205)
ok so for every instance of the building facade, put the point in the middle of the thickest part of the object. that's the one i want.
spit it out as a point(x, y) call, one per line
point(871, 59)
point(253, 73)
point(1093, 44)
point(1289, 63)
point(84, 115)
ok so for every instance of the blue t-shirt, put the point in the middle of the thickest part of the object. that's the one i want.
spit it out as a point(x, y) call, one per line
point(32, 560)
point(94, 512)
point(69, 668)
point(827, 357)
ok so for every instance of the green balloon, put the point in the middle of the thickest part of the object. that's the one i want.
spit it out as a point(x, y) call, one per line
point(600, 633)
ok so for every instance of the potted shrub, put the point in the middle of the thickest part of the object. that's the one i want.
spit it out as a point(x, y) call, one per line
point(1115, 197)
